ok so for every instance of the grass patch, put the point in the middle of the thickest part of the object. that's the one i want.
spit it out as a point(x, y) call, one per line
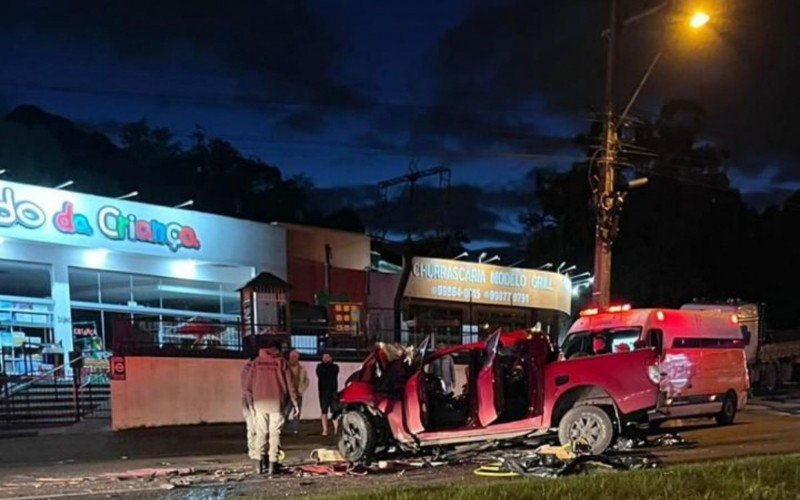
point(773, 477)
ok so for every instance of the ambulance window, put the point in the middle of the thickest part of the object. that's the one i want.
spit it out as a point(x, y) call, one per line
point(705, 343)
point(623, 340)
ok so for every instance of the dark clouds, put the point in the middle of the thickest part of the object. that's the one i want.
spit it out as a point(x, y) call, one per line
point(289, 51)
point(485, 213)
point(305, 122)
point(496, 79)
point(743, 70)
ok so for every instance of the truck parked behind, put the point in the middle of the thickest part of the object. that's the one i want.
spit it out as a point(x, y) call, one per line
point(772, 360)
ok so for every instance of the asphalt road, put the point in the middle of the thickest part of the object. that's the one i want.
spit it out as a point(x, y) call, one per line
point(87, 460)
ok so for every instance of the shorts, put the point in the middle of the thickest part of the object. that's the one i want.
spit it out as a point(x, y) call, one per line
point(327, 402)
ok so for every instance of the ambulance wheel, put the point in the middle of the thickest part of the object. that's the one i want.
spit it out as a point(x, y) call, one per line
point(357, 437)
point(728, 411)
point(589, 425)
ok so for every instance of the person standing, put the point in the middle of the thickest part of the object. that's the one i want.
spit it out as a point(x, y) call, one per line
point(248, 412)
point(267, 386)
point(328, 388)
point(300, 381)
point(445, 368)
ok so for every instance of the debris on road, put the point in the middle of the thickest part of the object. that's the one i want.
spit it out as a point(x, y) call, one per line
point(668, 439)
point(339, 469)
point(320, 455)
point(556, 461)
point(150, 473)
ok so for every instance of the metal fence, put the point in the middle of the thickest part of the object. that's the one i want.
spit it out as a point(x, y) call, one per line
point(226, 340)
point(54, 399)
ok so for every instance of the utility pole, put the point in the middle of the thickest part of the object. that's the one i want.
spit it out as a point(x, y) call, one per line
point(608, 197)
point(605, 196)
point(410, 180)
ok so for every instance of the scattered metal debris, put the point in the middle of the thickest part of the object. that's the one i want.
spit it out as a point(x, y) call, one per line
point(557, 461)
point(640, 441)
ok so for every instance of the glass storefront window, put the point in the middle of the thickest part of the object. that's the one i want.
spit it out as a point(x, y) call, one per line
point(152, 292)
point(22, 279)
point(160, 311)
point(26, 317)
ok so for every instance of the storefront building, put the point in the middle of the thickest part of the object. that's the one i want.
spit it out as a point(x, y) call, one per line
point(460, 302)
point(73, 264)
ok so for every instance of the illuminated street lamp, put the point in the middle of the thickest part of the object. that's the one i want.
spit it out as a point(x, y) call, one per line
point(64, 185)
point(461, 255)
point(492, 259)
point(482, 256)
point(699, 19)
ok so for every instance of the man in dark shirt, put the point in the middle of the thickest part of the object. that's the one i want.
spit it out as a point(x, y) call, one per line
point(328, 388)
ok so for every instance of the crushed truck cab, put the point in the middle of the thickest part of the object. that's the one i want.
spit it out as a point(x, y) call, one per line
point(516, 387)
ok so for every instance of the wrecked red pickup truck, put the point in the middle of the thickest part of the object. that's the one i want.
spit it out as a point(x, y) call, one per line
point(515, 388)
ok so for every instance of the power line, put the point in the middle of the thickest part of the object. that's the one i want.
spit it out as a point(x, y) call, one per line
point(227, 100)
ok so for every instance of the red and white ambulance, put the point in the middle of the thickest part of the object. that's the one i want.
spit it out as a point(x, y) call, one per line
point(702, 360)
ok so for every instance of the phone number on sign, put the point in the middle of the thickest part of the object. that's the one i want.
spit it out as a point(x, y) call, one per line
point(451, 291)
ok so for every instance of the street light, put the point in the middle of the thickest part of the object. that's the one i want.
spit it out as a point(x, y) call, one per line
point(481, 257)
point(547, 265)
point(64, 185)
point(699, 19)
point(3, 171)
point(607, 198)
point(461, 255)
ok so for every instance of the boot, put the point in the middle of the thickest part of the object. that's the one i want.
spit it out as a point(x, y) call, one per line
point(258, 466)
point(273, 468)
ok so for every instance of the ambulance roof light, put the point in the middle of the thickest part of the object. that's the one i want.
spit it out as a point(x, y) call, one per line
point(660, 315)
point(619, 308)
point(589, 312)
point(735, 319)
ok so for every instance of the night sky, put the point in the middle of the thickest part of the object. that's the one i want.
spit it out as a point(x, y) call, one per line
point(350, 91)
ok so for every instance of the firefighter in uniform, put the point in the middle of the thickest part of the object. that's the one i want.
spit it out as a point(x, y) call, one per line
point(267, 387)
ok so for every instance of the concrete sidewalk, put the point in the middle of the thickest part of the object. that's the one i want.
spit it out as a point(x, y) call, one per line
point(91, 447)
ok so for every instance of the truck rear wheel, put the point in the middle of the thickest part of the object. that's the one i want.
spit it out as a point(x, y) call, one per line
point(769, 379)
point(728, 411)
point(587, 424)
point(357, 437)
point(785, 372)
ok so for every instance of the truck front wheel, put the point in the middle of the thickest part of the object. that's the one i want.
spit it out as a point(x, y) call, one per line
point(357, 437)
point(587, 424)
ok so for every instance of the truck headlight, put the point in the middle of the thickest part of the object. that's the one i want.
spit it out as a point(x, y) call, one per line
point(654, 374)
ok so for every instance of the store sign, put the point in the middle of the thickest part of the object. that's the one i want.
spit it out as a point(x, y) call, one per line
point(457, 281)
point(107, 221)
point(116, 365)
